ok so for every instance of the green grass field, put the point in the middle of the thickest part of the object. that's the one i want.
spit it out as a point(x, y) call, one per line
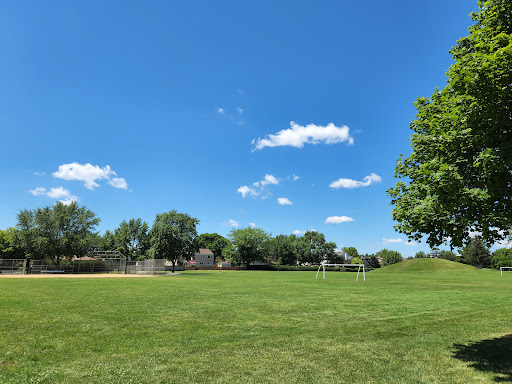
point(424, 321)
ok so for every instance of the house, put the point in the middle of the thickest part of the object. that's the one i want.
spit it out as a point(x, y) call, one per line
point(203, 258)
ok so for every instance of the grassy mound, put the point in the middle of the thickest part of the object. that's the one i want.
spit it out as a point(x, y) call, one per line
point(428, 265)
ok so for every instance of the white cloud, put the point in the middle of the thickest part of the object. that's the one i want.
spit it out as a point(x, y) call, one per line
point(269, 179)
point(247, 191)
point(220, 111)
point(258, 187)
point(59, 192)
point(241, 92)
point(233, 223)
point(391, 241)
point(56, 193)
point(297, 135)
point(298, 232)
point(284, 201)
point(240, 110)
point(40, 173)
point(349, 183)
point(118, 182)
point(295, 177)
point(409, 243)
point(39, 191)
point(89, 174)
point(338, 219)
point(252, 225)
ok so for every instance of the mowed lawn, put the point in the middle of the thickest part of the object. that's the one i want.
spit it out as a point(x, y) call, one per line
point(430, 321)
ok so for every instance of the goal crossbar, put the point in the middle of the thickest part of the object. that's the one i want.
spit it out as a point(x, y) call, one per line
point(502, 268)
point(359, 266)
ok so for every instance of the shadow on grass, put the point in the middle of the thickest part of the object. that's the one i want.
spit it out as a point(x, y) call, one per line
point(493, 355)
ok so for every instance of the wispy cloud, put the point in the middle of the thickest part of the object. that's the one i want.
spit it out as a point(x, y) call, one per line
point(220, 111)
point(233, 223)
point(297, 136)
point(298, 232)
point(89, 174)
point(284, 201)
point(56, 193)
point(349, 183)
point(38, 191)
point(387, 241)
point(118, 182)
point(40, 173)
point(240, 110)
point(259, 187)
point(338, 219)
point(252, 225)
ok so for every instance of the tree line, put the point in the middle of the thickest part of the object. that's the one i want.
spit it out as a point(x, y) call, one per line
point(62, 231)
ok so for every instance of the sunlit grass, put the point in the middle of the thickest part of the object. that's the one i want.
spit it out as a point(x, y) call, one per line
point(250, 326)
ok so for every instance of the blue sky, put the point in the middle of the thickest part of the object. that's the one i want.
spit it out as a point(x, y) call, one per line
point(138, 108)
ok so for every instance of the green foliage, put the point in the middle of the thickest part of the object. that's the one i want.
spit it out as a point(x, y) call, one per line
point(249, 245)
point(502, 258)
point(352, 251)
point(476, 253)
point(435, 252)
point(370, 261)
point(448, 255)
point(313, 248)
point(283, 250)
point(9, 245)
point(389, 257)
point(420, 255)
point(214, 242)
point(458, 177)
point(57, 232)
point(131, 238)
point(356, 260)
point(172, 236)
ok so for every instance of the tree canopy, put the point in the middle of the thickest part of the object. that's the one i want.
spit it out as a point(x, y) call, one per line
point(458, 178)
point(57, 232)
point(213, 241)
point(248, 245)
point(476, 253)
point(389, 257)
point(172, 236)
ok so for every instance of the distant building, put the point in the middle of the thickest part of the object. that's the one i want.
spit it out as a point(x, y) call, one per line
point(203, 258)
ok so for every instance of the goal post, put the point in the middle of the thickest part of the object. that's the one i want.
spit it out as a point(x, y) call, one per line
point(359, 266)
point(502, 268)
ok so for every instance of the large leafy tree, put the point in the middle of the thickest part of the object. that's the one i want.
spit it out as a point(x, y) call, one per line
point(214, 242)
point(249, 245)
point(283, 249)
point(172, 236)
point(132, 238)
point(57, 232)
point(502, 258)
point(389, 257)
point(352, 251)
point(458, 178)
point(9, 246)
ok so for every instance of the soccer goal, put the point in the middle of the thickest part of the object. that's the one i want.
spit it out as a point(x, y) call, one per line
point(359, 266)
point(503, 268)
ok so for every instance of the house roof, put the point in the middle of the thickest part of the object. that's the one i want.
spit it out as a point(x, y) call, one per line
point(204, 251)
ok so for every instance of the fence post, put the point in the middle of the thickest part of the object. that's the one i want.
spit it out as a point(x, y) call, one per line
point(24, 265)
